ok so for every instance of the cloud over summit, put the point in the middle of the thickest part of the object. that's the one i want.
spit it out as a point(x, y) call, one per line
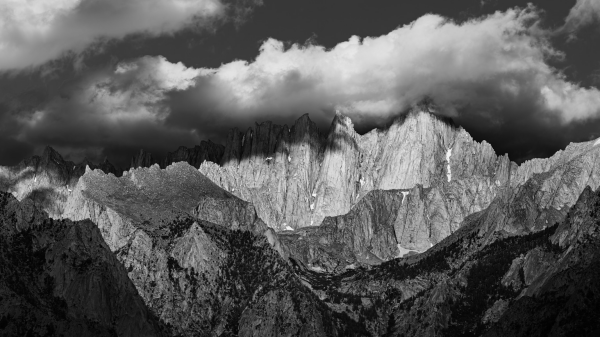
point(490, 62)
point(493, 69)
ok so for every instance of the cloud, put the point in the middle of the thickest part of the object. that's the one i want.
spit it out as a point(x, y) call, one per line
point(487, 62)
point(114, 108)
point(34, 32)
point(490, 73)
point(584, 12)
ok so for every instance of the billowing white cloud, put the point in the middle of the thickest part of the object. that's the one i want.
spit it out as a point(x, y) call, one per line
point(35, 31)
point(583, 13)
point(487, 62)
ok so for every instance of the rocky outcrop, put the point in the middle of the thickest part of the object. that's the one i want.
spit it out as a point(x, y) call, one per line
point(142, 159)
point(445, 175)
point(152, 198)
point(231, 272)
point(233, 282)
point(538, 282)
point(363, 236)
point(295, 177)
point(561, 297)
point(501, 248)
point(275, 168)
point(60, 278)
point(47, 179)
point(206, 151)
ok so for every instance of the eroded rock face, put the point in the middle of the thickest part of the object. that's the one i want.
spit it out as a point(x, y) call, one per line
point(363, 236)
point(206, 151)
point(47, 179)
point(199, 277)
point(157, 197)
point(60, 278)
point(143, 159)
point(273, 167)
point(296, 177)
point(539, 282)
point(444, 175)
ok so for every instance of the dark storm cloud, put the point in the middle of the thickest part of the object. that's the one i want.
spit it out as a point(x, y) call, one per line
point(116, 107)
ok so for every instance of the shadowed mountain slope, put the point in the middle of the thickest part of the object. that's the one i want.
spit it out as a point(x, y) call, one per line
point(476, 282)
point(191, 247)
point(46, 179)
point(60, 278)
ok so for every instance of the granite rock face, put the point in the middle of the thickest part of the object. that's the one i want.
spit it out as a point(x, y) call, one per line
point(297, 176)
point(275, 168)
point(118, 205)
point(47, 179)
point(60, 278)
point(540, 282)
point(444, 174)
point(416, 230)
point(545, 197)
point(143, 159)
point(201, 259)
point(365, 235)
point(206, 151)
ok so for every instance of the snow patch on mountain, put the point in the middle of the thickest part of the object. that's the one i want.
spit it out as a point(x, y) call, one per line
point(403, 251)
point(448, 154)
point(404, 194)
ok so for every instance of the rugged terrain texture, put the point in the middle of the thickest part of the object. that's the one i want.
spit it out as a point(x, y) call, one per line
point(364, 236)
point(206, 151)
point(475, 282)
point(59, 278)
point(47, 179)
point(297, 176)
point(323, 186)
point(201, 259)
point(484, 245)
point(494, 274)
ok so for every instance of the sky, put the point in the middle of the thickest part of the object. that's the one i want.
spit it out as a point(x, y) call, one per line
point(106, 78)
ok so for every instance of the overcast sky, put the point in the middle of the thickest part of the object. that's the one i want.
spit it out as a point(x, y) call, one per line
point(105, 78)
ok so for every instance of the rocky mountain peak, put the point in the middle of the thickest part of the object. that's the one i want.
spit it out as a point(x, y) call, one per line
point(415, 215)
point(142, 159)
point(341, 119)
point(206, 151)
point(50, 156)
point(298, 176)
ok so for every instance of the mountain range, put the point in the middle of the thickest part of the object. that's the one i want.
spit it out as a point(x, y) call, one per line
point(411, 230)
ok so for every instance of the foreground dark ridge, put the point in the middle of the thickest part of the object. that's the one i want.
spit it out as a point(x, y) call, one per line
point(59, 278)
point(230, 273)
point(474, 284)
